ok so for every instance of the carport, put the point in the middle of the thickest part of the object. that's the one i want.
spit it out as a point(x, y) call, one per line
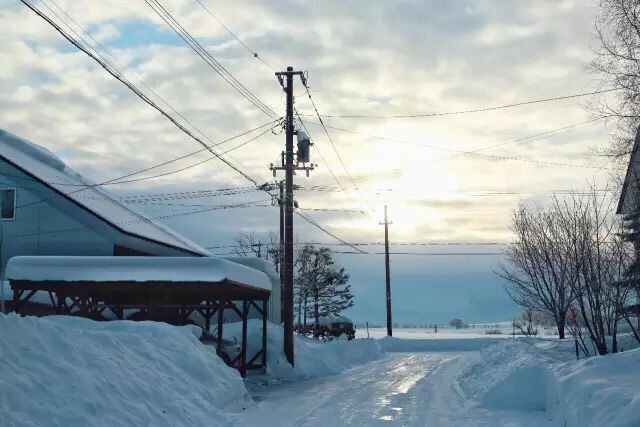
point(93, 286)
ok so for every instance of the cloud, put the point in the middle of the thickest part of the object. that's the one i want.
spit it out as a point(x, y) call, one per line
point(363, 57)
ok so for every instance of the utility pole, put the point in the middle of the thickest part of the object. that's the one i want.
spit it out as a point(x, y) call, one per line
point(286, 81)
point(387, 271)
point(281, 251)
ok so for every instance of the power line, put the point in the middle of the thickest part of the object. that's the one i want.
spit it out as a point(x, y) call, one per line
point(245, 190)
point(344, 166)
point(315, 146)
point(206, 56)
point(191, 166)
point(380, 244)
point(399, 253)
point(199, 211)
point(133, 88)
point(121, 180)
point(118, 76)
point(474, 110)
point(253, 52)
point(301, 213)
point(549, 133)
point(423, 253)
point(115, 59)
point(465, 152)
point(250, 204)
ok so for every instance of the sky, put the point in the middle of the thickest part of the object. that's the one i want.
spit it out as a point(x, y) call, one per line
point(372, 58)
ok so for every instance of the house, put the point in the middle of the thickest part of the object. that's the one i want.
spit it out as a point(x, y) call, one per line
point(629, 205)
point(48, 209)
point(630, 194)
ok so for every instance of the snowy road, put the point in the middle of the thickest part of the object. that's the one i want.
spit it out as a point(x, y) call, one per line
point(411, 389)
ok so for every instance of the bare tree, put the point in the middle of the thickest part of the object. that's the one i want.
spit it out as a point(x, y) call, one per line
point(528, 323)
point(265, 247)
point(537, 274)
point(600, 257)
point(617, 63)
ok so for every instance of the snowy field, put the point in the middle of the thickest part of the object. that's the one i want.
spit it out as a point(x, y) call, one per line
point(480, 330)
point(61, 371)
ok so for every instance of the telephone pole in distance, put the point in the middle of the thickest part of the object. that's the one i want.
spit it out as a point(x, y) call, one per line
point(386, 224)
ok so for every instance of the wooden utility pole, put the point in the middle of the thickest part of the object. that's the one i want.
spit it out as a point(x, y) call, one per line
point(387, 271)
point(286, 80)
point(281, 251)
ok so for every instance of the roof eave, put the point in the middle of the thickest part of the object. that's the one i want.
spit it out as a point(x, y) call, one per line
point(97, 215)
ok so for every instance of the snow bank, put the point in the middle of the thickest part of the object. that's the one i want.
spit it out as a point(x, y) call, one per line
point(599, 391)
point(512, 374)
point(393, 344)
point(63, 371)
point(542, 375)
point(313, 358)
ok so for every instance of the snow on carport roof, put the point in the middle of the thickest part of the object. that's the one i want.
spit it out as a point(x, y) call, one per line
point(47, 168)
point(134, 269)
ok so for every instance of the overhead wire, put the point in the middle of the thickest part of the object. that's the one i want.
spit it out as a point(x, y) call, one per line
point(208, 58)
point(379, 244)
point(464, 152)
point(399, 253)
point(344, 166)
point(326, 163)
point(133, 88)
point(107, 66)
point(112, 58)
point(301, 213)
point(250, 204)
point(468, 111)
point(191, 166)
point(234, 35)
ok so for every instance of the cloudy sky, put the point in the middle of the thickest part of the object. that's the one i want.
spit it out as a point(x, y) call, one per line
point(370, 58)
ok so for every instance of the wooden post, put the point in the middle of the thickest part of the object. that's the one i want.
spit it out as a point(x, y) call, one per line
point(243, 358)
point(220, 323)
point(264, 333)
point(16, 300)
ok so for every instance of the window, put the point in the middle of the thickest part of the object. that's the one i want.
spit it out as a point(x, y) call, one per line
point(8, 203)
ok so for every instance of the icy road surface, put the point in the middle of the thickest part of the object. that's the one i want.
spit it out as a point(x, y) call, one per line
point(406, 389)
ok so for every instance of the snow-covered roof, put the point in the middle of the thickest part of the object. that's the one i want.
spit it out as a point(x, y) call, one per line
point(44, 166)
point(134, 269)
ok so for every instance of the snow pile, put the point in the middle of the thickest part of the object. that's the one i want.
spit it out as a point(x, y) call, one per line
point(312, 358)
point(393, 344)
point(62, 371)
point(512, 374)
point(599, 391)
point(543, 375)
